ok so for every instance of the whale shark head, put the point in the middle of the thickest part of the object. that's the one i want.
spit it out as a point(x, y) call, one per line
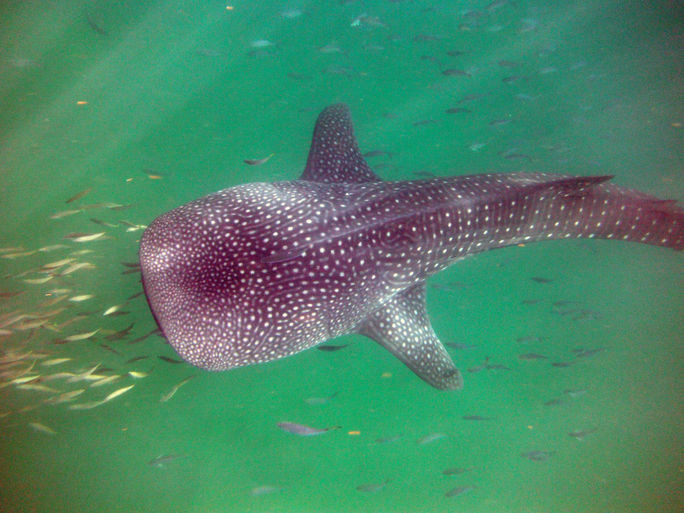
point(214, 287)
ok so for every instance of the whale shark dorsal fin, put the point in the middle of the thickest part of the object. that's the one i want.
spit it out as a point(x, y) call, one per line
point(403, 327)
point(334, 156)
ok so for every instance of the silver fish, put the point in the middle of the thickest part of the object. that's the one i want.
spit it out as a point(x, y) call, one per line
point(302, 430)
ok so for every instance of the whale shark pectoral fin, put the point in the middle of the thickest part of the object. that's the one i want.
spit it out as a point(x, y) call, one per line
point(334, 156)
point(403, 327)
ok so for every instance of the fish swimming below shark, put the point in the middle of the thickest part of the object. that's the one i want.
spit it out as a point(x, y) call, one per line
point(261, 271)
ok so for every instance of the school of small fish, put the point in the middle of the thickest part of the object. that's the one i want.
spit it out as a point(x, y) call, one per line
point(61, 341)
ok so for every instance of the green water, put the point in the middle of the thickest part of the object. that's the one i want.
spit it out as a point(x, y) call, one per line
point(175, 90)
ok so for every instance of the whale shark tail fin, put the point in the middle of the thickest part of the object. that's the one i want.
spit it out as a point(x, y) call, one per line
point(560, 207)
point(608, 211)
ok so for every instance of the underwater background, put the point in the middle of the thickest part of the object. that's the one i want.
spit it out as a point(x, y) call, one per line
point(112, 113)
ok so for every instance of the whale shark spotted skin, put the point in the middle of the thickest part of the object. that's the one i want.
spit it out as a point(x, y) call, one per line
point(261, 271)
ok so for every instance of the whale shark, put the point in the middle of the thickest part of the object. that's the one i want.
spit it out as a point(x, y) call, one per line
point(261, 271)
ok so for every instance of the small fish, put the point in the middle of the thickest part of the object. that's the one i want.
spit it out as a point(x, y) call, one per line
point(19, 380)
point(532, 356)
point(143, 337)
point(430, 438)
point(79, 195)
point(421, 38)
point(82, 297)
point(540, 279)
point(377, 153)
point(497, 366)
point(103, 223)
point(261, 43)
point(479, 368)
point(508, 64)
point(117, 393)
point(425, 174)
point(137, 374)
point(330, 347)
point(537, 455)
point(19, 254)
point(11, 249)
point(172, 392)
point(113, 309)
point(331, 48)
point(118, 335)
point(302, 430)
point(562, 364)
point(86, 406)
point(65, 213)
point(460, 346)
point(372, 487)
point(582, 352)
point(84, 237)
point(57, 264)
point(169, 360)
point(110, 206)
point(563, 303)
point(477, 418)
point(575, 392)
point(160, 461)
point(455, 72)
point(317, 401)
point(258, 162)
point(470, 98)
point(83, 375)
point(500, 122)
point(291, 13)
point(38, 281)
point(94, 26)
point(389, 440)
point(81, 336)
point(458, 110)
point(258, 491)
point(581, 434)
point(42, 428)
point(104, 381)
point(54, 361)
point(298, 76)
point(454, 471)
point(459, 490)
point(36, 387)
point(554, 402)
point(67, 396)
point(136, 359)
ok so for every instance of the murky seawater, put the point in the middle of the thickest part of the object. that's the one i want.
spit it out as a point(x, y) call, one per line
point(133, 108)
